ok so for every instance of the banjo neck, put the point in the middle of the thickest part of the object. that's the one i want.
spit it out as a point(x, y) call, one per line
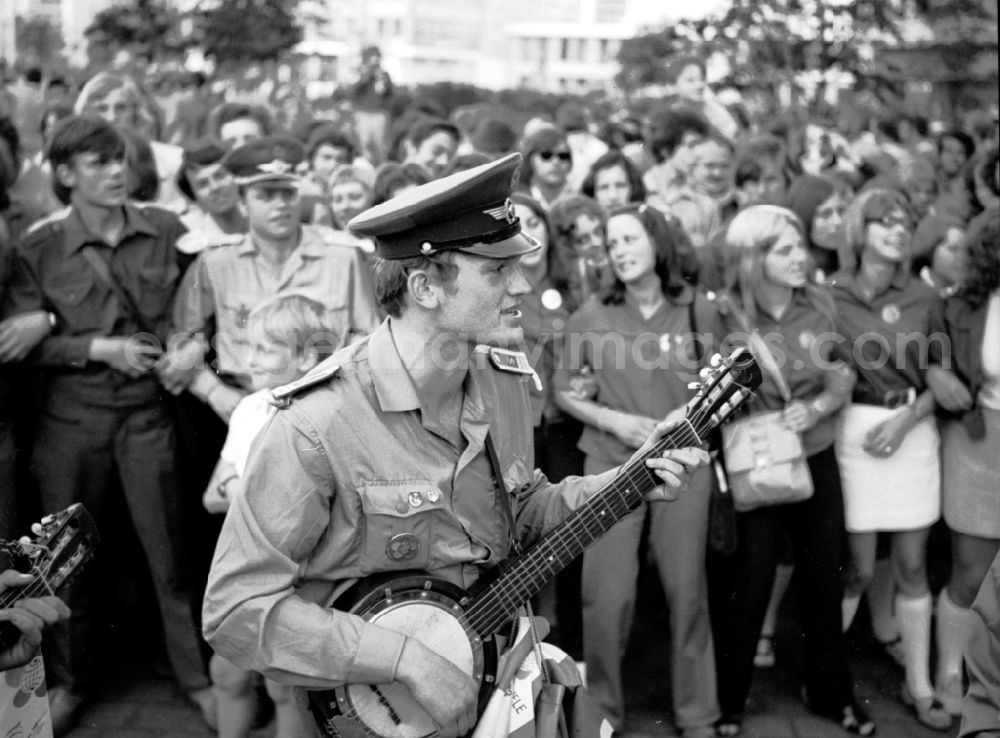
point(490, 608)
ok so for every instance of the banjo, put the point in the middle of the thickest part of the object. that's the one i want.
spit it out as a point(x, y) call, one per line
point(462, 625)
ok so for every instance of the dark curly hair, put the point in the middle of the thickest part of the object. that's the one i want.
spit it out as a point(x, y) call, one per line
point(616, 159)
point(391, 177)
point(676, 260)
point(983, 266)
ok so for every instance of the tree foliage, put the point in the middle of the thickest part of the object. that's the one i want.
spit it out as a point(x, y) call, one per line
point(38, 40)
point(770, 41)
point(147, 28)
point(246, 31)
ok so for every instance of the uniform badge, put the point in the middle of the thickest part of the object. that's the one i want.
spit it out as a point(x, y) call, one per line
point(515, 362)
point(503, 212)
point(551, 299)
point(278, 166)
point(403, 547)
point(433, 496)
point(665, 343)
point(416, 499)
point(891, 314)
point(806, 339)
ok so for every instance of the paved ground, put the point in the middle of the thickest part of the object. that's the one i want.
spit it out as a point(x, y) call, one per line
point(134, 702)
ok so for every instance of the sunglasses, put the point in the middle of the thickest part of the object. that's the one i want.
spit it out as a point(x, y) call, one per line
point(890, 220)
point(561, 155)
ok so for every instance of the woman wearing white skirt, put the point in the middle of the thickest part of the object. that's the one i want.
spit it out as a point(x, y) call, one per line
point(888, 443)
point(966, 384)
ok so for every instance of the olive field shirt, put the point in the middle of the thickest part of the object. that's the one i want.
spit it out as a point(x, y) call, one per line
point(229, 280)
point(639, 365)
point(885, 340)
point(803, 344)
point(354, 479)
point(53, 275)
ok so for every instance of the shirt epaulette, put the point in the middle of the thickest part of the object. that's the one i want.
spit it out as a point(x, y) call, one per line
point(513, 362)
point(281, 397)
point(47, 225)
point(232, 239)
point(147, 207)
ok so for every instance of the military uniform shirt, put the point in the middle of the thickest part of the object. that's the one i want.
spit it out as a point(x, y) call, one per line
point(53, 275)
point(803, 344)
point(640, 365)
point(226, 282)
point(355, 479)
point(884, 340)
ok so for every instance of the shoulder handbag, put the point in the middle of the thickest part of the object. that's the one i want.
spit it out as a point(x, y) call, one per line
point(764, 459)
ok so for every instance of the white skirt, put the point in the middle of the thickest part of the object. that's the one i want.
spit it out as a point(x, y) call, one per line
point(901, 492)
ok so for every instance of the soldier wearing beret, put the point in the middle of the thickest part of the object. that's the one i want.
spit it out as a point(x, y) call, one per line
point(379, 461)
point(278, 255)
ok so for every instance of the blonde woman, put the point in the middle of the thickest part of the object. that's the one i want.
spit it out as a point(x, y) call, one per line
point(888, 445)
point(766, 273)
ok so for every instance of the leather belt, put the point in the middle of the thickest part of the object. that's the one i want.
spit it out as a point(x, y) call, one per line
point(890, 399)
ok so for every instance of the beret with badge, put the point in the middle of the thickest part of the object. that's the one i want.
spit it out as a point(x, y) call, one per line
point(469, 211)
point(267, 159)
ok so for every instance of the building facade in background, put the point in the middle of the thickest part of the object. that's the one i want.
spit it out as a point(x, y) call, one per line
point(554, 45)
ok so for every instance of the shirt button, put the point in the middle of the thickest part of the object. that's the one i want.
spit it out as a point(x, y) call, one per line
point(402, 507)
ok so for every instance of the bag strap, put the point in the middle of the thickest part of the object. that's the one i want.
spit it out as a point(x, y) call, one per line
point(761, 350)
point(699, 350)
point(103, 271)
point(500, 486)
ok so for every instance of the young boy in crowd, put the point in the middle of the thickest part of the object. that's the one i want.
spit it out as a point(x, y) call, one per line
point(287, 338)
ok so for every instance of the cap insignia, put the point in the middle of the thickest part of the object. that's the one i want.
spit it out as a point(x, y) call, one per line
point(426, 247)
point(278, 166)
point(503, 212)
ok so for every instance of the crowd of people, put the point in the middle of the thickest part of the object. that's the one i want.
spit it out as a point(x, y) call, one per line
point(156, 286)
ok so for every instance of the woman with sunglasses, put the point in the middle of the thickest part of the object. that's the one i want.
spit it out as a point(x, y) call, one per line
point(547, 164)
point(888, 442)
point(639, 339)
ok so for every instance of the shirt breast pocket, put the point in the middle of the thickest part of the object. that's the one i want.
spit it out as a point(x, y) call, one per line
point(399, 523)
point(157, 285)
point(74, 300)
